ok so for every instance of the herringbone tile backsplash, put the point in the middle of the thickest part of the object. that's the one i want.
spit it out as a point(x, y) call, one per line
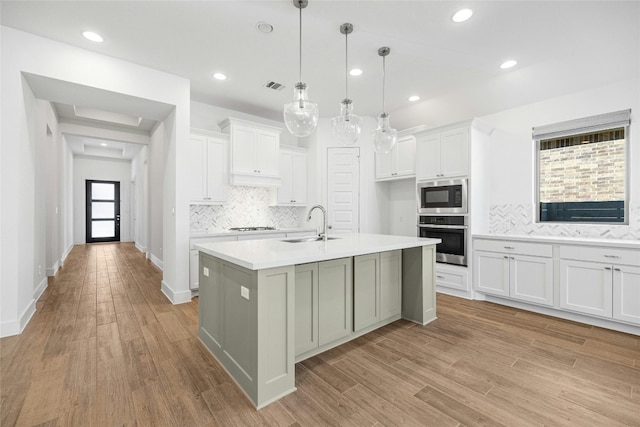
point(519, 220)
point(246, 207)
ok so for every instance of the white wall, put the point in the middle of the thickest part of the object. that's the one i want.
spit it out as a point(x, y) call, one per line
point(23, 52)
point(85, 168)
point(139, 169)
point(156, 168)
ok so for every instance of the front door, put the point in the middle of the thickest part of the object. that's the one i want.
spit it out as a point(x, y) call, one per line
point(103, 211)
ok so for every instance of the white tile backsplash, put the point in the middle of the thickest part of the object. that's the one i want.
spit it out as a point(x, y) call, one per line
point(519, 219)
point(246, 207)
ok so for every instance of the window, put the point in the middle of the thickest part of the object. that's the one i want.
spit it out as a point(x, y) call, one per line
point(582, 170)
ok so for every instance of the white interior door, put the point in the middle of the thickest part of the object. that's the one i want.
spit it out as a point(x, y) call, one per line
point(343, 189)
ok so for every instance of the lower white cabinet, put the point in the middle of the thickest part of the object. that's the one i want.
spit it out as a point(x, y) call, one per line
point(522, 271)
point(452, 277)
point(377, 288)
point(323, 303)
point(606, 289)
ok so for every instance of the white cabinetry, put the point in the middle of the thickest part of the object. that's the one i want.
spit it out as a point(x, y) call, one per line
point(323, 303)
point(399, 163)
point(518, 270)
point(254, 153)
point(442, 154)
point(293, 170)
point(377, 288)
point(208, 168)
point(601, 281)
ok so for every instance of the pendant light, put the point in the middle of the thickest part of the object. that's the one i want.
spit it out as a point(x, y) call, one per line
point(384, 137)
point(300, 115)
point(346, 126)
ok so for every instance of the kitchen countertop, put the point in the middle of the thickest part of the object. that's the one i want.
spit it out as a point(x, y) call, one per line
point(269, 253)
point(588, 241)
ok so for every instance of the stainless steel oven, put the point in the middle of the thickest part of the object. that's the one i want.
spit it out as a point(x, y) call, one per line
point(442, 197)
point(452, 230)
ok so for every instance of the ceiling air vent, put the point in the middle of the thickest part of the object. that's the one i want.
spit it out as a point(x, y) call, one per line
point(274, 85)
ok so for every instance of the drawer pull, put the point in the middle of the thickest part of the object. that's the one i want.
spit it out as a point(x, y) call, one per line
point(440, 277)
point(509, 247)
point(616, 269)
point(506, 257)
point(612, 256)
point(608, 268)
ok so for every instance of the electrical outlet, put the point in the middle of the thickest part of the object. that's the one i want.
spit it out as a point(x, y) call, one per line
point(244, 292)
point(205, 271)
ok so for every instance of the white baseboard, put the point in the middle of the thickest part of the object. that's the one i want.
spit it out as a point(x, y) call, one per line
point(154, 259)
point(66, 254)
point(15, 327)
point(37, 293)
point(576, 317)
point(140, 247)
point(453, 292)
point(173, 296)
point(51, 271)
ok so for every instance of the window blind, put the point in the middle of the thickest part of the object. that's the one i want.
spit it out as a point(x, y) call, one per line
point(583, 125)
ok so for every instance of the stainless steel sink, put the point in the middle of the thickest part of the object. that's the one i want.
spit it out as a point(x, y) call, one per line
point(308, 239)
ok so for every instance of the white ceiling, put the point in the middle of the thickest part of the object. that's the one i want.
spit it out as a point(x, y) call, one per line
point(564, 45)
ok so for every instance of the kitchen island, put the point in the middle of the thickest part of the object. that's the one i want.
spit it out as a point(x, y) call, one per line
point(266, 304)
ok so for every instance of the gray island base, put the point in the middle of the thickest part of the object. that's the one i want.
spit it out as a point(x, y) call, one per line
point(266, 304)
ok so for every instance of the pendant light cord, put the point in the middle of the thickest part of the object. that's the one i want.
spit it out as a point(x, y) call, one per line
point(346, 65)
point(300, 41)
point(383, 80)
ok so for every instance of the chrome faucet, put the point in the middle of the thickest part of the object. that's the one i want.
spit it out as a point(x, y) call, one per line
point(324, 220)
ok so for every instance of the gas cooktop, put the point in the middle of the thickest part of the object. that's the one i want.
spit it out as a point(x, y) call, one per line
point(251, 228)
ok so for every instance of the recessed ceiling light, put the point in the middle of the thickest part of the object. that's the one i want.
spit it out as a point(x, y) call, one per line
point(355, 72)
point(414, 98)
point(264, 27)
point(462, 15)
point(94, 37)
point(508, 64)
point(104, 144)
point(219, 76)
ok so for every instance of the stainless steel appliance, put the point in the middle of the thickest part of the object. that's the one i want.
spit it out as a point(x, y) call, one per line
point(442, 197)
point(452, 230)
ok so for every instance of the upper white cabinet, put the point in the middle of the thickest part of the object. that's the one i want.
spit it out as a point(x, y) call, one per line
point(442, 154)
point(293, 170)
point(208, 167)
point(255, 152)
point(399, 163)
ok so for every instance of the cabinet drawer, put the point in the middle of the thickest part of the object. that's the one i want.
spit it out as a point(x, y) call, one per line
point(514, 247)
point(450, 279)
point(606, 255)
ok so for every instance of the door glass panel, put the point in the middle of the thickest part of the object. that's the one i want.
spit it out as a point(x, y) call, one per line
point(102, 210)
point(102, 229)
point(101, 191)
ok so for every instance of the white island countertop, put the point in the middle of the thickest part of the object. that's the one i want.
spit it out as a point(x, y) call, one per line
point(270, 253)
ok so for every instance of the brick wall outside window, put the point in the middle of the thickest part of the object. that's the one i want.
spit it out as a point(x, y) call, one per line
point(587, 172)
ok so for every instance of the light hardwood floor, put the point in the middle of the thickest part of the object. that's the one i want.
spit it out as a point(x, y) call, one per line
point(106, 348)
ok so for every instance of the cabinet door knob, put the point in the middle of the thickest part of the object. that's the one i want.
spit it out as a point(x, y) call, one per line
point(440, 277)
point(506, 257)
point(617, 269)
point(608, 268)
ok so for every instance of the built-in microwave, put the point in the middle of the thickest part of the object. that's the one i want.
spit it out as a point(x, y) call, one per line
point(442, 197)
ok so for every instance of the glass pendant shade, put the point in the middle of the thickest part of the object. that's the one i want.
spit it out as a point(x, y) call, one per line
point(384, 137)
point(346, 126)
point(300, 115)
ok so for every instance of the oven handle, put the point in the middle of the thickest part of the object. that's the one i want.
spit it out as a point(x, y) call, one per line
point(453, 227)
